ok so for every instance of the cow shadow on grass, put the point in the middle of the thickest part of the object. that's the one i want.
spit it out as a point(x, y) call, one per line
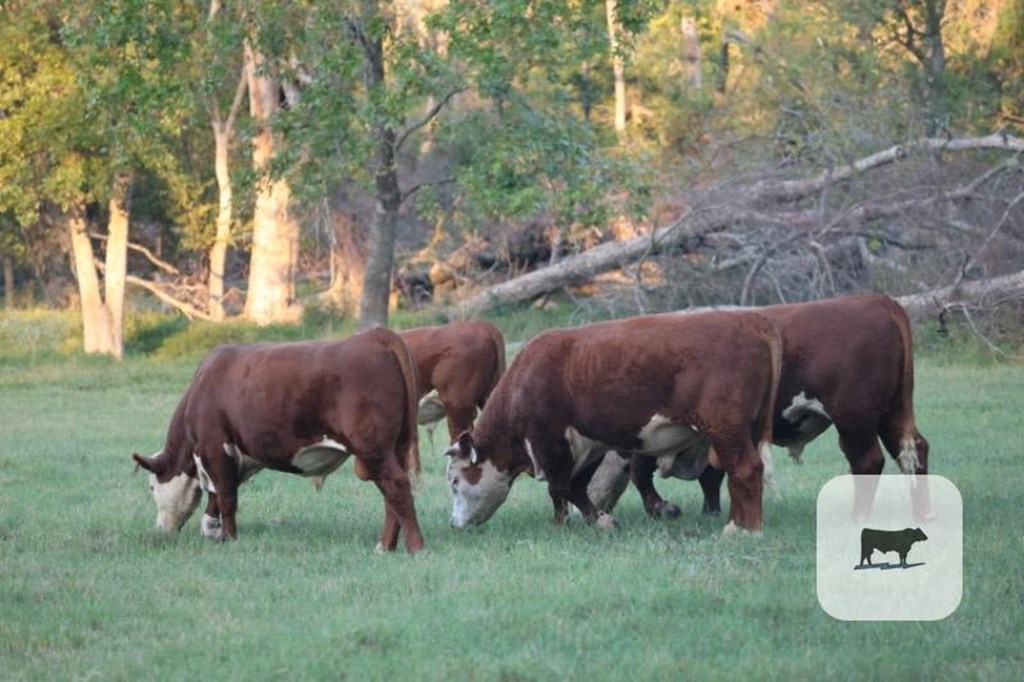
point(888, 566)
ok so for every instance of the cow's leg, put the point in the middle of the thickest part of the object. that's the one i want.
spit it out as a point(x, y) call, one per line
point(460, 419)
point(389, 534)
point(860, 445)
point(641, 472)
point(745, 470)
point(579, 496)
point(211, 527)
point(711, 485)
point(555, 459)
point(223, 473)
point(400, 511)
point(227, 501)
point(909, 448)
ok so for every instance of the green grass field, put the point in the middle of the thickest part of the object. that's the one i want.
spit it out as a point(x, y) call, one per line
point(88, 589)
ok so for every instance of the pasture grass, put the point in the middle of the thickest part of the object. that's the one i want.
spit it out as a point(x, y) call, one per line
point(89, 590)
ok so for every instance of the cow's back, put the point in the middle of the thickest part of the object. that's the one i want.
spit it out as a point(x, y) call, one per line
point(271, 399)
point(610, 378)
point(467, 354)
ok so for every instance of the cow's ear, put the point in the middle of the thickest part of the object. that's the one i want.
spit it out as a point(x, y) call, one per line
point(463, 447)
point(154, 464)
point(141, 461)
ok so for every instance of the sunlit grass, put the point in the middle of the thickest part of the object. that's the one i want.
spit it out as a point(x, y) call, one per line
point(89, 589)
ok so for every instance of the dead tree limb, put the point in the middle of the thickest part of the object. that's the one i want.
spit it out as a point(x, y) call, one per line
point(186, 309)
point(936, 300)
point(704, 221)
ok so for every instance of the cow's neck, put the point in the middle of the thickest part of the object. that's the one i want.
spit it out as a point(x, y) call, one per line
point(496, 439)
point(176, 457)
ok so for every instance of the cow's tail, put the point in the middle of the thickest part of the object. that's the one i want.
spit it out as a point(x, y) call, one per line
point(410, 433)
point(499, 349)
point(913, 453)
point(763, 424)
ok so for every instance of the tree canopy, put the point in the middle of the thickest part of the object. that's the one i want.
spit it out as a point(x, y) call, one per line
point(408, 132)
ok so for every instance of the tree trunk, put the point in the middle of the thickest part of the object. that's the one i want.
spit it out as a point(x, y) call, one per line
point(96, 335)
point(223, 131)
point(219, 251)
point(8, 282)
point(618, 64)
point(691, 51)
point(275, 236)
point(117, 259)
point(935, 65)
point(373, 311)
point(348, 264)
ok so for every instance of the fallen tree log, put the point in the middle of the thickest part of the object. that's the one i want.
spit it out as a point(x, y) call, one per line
point(705, 220)
point(935, 301)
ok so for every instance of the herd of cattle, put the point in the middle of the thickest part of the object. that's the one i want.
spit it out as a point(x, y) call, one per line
point(692, 395)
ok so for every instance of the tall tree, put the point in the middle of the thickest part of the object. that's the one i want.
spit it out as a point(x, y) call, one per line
point(223, 49)
point(275, 232)
point(618, 63)
point(48, 162)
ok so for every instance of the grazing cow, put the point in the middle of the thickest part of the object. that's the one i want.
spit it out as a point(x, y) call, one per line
point(459, 365)
point(846, 361)
point(899, 541)
point(301, 408)
point(654, 385)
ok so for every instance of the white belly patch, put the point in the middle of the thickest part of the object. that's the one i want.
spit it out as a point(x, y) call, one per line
point(801, 406)
point(682, 451)
point(811, 417)
point(321, 458)
point(431, 409)
point(318, 459)
point(584, 450)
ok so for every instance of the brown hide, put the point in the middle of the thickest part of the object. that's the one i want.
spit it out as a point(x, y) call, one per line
point(272, 400)
point(463, 362)
point(716, 372)
point(854, 355)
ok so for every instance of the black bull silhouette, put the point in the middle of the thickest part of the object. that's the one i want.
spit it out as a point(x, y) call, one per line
point(899, 541)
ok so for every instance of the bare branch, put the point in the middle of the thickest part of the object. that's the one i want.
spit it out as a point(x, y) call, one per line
point(188, 310)
point(150, 256)
point(428, 117)
point(420, 185)
point(236, 102)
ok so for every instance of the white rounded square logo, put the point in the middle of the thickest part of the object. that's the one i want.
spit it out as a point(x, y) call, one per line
point(889, 547)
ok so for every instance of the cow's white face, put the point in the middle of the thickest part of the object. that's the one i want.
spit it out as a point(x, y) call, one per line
point(477, 490)
point(175, 499)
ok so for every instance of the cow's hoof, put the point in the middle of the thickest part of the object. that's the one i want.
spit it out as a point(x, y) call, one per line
point(606, 521)
point(211, 528)
point(666, 510)
point(381, 549)
point(732, 528)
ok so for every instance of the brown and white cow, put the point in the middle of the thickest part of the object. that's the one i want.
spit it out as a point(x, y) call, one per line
point(459, 364)
point(301, 408)
point(846, 361)
point(654, 385)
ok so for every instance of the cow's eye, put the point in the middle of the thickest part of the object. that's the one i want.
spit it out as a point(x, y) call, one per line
point(455, 483)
